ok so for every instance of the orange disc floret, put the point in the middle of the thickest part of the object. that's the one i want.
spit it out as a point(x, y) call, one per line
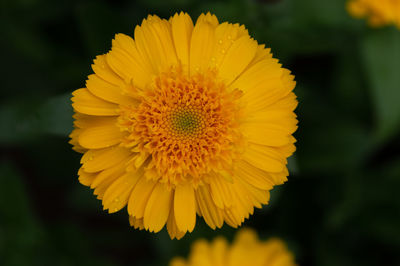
point(189, 126)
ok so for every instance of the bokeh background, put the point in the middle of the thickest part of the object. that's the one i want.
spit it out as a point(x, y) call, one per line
point(341, 205)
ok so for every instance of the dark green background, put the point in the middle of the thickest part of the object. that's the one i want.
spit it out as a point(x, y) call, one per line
point(341, 205)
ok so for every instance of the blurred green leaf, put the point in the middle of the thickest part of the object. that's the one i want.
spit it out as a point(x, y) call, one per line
point(21, 231)
point(27, 119)
point(55, 115)
point(381, 52)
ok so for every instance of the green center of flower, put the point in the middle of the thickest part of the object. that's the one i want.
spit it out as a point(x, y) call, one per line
point(186, 122)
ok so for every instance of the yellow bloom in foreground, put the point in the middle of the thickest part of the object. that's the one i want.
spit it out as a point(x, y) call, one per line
point(185, 119)
point(378, 12)
point(246, 250)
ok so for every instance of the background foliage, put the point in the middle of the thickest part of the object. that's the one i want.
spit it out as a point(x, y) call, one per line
point(341, 204)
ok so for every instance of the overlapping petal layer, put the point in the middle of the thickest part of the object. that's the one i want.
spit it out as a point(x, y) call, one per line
point(185, 120)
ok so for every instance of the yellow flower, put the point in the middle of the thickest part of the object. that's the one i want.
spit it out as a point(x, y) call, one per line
point(185, 119)
point(246, 250)
point(378, 12)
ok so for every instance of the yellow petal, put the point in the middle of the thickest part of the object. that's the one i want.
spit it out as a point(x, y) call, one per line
point(158, 208)
point(220, 191)
point(242, 205)
point(201, 47)
point(143, 70)
point(127, 44)
point(162, 32)
point(225, 35)
point(231, 219)
point(253, 175)
point(210, 212)
point(288, 149)
point(75, 140)
point(136, 223)
point(104, 185)
point(185, 207)
point(103, 70)
point(209, 18)
point(237, 58)
point(85, 121)
point(263, 158)
point(105, 158)
point(258, 74)
point(86, 103)
point(261, 54)
point(172, 228)
point(279, 178)
point(265, 134)
point(117, 195)
point(287, 103)
point(86, 178)
point(139, 197)
point(257, 196)
point(107, 91)
point(272, 93)
point(100, 137)
point(127, 68)
point(154, 43)
point(111, 173)
point(182, 27)
point(282, 120)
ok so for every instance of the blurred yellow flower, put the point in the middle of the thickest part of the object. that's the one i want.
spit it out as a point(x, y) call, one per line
point(378, 12)
point(246, 250)
point(185, 119)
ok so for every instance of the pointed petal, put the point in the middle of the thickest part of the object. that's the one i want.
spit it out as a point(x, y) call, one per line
point(237, 58)
point(211, 213)
point(85, 102)
point(158, 208)
point(105, 158)
point(117, 195)
point(100, 137)
point(221, 191)
point(139, 197)
point(263, 158)
point(185, 207)
point(182, 27)
point(201, 47)
point(107, 91)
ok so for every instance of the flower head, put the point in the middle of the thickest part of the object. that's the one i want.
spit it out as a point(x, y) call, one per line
point(246, 250)
point(183, 120)
point(379, 13)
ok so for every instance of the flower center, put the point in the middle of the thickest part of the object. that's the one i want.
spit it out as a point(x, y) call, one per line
point(186, 122)
point(187, 126)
